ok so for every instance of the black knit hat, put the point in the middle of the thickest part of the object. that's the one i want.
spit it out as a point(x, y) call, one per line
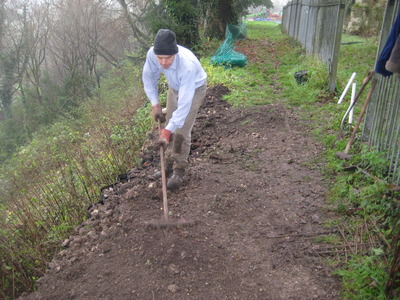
point(165, 43)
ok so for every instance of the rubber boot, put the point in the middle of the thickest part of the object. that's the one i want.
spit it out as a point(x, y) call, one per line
point(168, 170)
point(176, 179)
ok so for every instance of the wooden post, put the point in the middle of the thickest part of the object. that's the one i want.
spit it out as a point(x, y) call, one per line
point(338, 39)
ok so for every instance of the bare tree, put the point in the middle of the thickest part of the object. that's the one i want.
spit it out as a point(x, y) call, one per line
point(85, 38)
point(12, 51)
point(135, 13)
point(37, 35)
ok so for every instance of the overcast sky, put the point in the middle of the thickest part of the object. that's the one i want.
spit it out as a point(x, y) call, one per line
point(278, 4)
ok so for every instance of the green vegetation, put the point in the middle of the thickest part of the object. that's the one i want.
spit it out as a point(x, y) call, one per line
point(49, 183)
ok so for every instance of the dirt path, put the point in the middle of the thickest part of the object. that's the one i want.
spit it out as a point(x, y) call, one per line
point(257, 196)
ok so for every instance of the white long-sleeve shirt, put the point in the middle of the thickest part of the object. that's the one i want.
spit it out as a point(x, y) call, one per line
point(185, 75)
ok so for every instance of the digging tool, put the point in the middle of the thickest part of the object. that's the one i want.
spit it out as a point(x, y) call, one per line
point(345, 155)
point(366, 80)
point(164, 222)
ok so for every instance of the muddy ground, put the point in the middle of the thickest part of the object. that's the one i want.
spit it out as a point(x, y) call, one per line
point(255, 194)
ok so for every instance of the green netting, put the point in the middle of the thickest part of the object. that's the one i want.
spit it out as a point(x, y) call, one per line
point(225, 54)
point(239, 32)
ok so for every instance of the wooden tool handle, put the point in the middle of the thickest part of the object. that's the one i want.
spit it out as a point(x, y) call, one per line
point(163, 178)
point(363, 110)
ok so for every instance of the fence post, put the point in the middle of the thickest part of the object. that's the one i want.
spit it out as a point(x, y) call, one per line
point(338, 37)
point(298, 19)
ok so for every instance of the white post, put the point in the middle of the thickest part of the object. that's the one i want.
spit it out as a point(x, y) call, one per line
point(347, 87)
point(353, 96)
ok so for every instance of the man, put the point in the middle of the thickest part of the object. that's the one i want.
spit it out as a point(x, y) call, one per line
point(186, 90)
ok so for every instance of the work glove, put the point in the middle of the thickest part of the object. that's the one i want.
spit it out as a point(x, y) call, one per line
point(163, 140)
point(156, 111)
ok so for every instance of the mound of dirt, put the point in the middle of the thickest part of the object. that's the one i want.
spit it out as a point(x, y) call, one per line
point(257, 198)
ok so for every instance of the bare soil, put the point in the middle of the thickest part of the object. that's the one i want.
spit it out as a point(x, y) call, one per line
point(255, 193)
